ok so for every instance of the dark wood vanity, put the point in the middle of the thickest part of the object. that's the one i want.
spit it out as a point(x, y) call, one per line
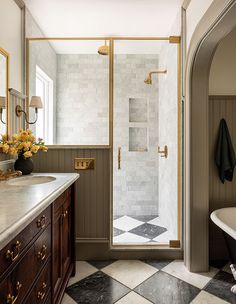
point(36, 264)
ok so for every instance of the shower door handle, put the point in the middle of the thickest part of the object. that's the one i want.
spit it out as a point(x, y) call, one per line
point(164, 153)
point(119, 158)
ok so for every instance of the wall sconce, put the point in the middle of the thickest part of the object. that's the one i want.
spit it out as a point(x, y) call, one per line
point(2, 106)
point(36, 103)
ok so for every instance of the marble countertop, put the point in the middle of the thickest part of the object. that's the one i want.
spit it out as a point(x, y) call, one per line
point(19, 205)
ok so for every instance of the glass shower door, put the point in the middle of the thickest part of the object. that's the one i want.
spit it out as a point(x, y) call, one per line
point(145, 194)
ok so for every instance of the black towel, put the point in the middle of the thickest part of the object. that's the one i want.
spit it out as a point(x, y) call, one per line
point(225, 155)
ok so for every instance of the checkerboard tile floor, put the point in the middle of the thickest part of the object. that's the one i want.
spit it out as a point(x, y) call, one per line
point(148, 282)
point(139, 229)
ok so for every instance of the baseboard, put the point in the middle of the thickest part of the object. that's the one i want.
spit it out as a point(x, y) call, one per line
point(101, 251)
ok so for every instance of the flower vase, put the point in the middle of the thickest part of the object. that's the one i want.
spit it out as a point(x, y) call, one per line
point(25, 165)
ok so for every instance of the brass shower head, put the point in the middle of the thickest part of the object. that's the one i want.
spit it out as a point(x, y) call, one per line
point(104, 49)
point(148, 79)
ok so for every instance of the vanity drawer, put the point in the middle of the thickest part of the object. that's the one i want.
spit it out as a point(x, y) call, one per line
point(41, 292)
point(42, 249)
point(12, 253)
point(20, 280)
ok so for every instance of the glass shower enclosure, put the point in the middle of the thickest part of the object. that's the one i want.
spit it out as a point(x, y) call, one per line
point(146, 142)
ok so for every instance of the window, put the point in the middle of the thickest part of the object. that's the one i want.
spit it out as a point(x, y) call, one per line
point(44, 89)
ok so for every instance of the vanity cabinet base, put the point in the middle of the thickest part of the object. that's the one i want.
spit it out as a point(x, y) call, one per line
point(38, 263)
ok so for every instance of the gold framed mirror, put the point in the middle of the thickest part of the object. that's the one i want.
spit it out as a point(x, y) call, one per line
point(4, 91)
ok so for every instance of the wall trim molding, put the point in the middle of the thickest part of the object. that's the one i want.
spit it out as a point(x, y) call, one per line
point(92, 240)
point(101, 251)
point(89, 147)
point(230, 97)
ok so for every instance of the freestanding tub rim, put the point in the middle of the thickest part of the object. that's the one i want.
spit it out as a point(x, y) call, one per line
point(225, 218)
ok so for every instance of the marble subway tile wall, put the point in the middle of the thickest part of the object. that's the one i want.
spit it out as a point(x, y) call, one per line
point(135, 189)
point(83, 99)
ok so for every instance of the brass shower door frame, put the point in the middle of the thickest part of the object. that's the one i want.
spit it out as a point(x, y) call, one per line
point(173, 244)
point(170, 39)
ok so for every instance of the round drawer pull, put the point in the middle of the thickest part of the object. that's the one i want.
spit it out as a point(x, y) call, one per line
point(12, 299)
point(42, 253)
point(41, 294)
point(41, 223)
point(12, 255)
point(65, 213)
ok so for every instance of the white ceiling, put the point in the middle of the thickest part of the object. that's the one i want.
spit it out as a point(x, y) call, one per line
point(99, 18)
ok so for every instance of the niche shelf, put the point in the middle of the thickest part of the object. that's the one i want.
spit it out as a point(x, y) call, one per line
point(138, 139)
point(138, 110)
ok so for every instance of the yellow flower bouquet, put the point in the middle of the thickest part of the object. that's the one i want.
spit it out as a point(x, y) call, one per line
point(24, 145)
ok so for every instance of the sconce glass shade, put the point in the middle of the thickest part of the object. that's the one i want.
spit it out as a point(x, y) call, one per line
point(2, 102)
point(36, 102)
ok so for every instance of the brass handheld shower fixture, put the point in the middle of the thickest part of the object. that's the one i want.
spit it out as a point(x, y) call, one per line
point(148, 79)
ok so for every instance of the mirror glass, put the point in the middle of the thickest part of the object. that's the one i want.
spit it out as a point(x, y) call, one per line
point(72, 79)
point(3, 90)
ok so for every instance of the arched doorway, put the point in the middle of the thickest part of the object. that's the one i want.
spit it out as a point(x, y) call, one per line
point(214, 26)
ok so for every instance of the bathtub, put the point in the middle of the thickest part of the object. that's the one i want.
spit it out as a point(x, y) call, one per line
point(225, 218)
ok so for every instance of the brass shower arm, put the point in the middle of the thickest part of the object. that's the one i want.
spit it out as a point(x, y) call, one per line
point(157, 72)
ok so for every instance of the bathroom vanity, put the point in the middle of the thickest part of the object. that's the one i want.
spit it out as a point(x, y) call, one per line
point(37, 238)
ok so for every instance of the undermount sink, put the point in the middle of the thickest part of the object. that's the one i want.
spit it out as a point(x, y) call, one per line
point(31, 180)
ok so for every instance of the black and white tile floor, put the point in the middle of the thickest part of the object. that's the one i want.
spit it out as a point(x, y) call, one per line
point(139, 229)
point(147, 282)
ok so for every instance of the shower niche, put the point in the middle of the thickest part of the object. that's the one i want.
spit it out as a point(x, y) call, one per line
point(138, 110)
point(138, 139)
point(138, 125)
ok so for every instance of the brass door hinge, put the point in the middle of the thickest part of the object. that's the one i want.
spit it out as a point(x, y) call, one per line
point(174, 39)
point(174, 243)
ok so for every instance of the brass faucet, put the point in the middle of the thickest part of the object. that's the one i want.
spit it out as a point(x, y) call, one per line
point(9, 174)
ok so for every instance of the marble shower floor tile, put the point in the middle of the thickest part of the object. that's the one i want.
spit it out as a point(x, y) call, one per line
point(177, 269)
point(156, 221)
point(165, 237)
point(130, 272)
point(117, 232)
point(97, 288)
point(206, 298)
point(83, 270)
point(163, 288)
point(126, 223)
point(220, 286)
point(144, 218)
point(129, 238)
point(133, 298)
point(148, 230)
